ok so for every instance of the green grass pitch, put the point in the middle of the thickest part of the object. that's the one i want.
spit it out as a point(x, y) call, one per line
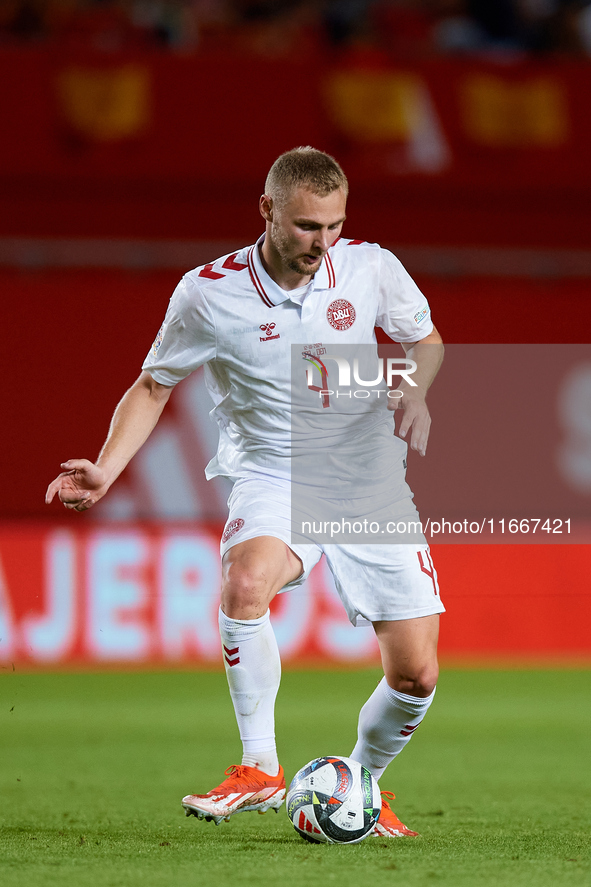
point(93, 767)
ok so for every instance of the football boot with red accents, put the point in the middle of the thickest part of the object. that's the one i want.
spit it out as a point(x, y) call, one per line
point(246, 789)
point(388, 824)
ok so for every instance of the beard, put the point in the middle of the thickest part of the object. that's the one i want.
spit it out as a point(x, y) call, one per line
point(301, 267)
point(297, 264)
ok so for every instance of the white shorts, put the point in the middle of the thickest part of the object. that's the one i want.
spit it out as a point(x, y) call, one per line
point(374, 581)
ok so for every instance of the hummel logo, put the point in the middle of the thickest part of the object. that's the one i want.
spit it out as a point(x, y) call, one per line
point(231, 656)
point(268, 328)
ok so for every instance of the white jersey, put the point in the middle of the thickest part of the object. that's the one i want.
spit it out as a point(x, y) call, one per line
point(233, 317)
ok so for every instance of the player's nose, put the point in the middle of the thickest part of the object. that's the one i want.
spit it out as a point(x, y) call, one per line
point(324, 239)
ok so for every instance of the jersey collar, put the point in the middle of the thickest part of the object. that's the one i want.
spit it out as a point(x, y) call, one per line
point(269, 291)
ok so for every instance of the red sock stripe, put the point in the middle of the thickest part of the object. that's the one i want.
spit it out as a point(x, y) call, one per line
point(408, 730)
point(234, 653)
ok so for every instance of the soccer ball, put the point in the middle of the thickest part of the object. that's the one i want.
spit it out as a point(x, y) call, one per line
point(334, 801)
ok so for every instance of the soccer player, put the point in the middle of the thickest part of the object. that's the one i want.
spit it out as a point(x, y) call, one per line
point(239, 315)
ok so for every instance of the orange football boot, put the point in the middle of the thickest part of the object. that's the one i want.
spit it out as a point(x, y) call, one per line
point(388, 824)
point(245, 789)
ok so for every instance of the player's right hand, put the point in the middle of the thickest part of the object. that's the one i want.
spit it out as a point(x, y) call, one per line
point(79, 486)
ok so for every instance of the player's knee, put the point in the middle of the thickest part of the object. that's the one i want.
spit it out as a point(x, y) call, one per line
point(419, 681)
point(245, 590)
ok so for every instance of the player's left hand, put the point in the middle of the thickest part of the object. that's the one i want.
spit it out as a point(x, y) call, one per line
point(79, 486)
point(415, 419)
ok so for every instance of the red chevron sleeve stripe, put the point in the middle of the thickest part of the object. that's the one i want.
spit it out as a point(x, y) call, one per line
point(231, 265)
point(209, 272)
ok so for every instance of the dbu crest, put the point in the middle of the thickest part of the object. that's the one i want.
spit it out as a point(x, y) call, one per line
point(340, 314)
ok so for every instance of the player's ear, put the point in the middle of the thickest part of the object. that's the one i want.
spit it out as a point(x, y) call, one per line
point(266, 207)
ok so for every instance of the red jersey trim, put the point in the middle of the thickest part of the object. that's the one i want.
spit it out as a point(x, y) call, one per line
point(256, 281)
point(332, 279)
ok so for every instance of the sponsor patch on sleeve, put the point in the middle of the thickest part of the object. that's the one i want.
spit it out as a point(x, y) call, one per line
point(158, 341)
point(420, 315)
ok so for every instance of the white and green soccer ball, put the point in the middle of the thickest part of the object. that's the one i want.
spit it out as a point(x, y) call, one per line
point(334, 800)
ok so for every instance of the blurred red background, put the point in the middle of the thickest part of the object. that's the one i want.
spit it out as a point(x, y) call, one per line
point(120, 170)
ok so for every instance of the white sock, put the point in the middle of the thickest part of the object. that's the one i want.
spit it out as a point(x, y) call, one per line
point(387, 722)
point(253, 669)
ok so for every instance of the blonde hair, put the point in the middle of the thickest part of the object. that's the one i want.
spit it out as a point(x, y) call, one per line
point(304, 167)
